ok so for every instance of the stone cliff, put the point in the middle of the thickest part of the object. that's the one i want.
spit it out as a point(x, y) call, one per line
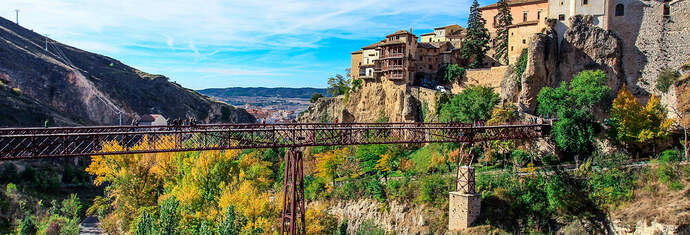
point(374, 101)
point(80, 87)
point(584, 47)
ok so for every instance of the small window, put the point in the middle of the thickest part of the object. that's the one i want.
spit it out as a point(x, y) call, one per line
point(511, 48)
point(524, 16)
point(620, 10)
point(585, 2)
point(524, 41)
point(561, 17)
point(539, 14)
point(667, 10)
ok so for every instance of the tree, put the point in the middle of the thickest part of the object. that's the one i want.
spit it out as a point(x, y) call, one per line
point(451, 73)
point(503, 20)
point(475, 45)
point(505, 113)
point(328, 164)
point(338, 85)
point(315, 97)
point(472, 104)
point(634, 124)
point(573, 104)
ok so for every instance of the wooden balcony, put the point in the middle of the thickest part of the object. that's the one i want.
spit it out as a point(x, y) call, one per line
point(393, 67)
point(392, 56)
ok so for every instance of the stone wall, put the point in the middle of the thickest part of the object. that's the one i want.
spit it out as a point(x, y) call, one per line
point(652, 42)
point(490, 77)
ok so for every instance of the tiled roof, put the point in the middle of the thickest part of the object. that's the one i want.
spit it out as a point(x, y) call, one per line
point(432, 33)
point(372, 46)
point(357, 52)
point(399, 32)
point(452, 25)
point(513, 3)
point(392, 42)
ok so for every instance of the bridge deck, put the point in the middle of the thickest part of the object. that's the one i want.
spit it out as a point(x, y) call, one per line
point(27, 143)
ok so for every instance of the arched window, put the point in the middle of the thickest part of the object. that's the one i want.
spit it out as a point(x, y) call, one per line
point(620, 9)
point(667, 10)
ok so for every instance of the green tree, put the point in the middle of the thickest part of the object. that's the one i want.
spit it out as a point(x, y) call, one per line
point(573, 104)
point(232, 224)
point(472, 104)
point(27, 227)
point(315, 97)
point(451, 73)
point(503, 20)
point(169, 219)
point(338, 85)
point(475, 45)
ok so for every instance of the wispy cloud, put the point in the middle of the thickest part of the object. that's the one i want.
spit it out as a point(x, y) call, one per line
point(220, 31)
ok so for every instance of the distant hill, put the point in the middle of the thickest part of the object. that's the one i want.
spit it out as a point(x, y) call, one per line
point(280, 92)
point(69, 86)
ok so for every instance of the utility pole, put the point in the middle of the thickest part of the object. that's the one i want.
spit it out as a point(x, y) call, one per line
point(17, 15)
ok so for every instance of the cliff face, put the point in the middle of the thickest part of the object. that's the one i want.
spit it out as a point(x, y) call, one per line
point(86, 88)
point(374, 101)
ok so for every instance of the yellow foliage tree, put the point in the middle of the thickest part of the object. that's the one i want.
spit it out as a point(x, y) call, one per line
point(329, 165)
point(318, 221)
point(635, 124)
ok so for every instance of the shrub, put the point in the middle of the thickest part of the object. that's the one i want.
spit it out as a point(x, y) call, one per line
point(666, 79)
point(27, 227)
point(520, 67)
point(668, 175)
point(11, 188)
point(368, 227)
point(315, 97)
point(315, 187)
point(520, 158)
point(670, 156)
point(434, 190)
point(375, 189)
point(611, 187)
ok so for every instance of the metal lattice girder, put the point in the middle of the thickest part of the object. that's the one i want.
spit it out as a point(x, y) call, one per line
point(23, 143)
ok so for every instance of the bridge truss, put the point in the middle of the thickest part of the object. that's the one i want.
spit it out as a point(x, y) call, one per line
point(39, 143)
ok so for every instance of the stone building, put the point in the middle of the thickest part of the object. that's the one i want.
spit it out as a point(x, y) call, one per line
point(369, 55)
point(444, 34)
point(528, 19)
point(356, 62)
point(563, 10)
point(397, 55)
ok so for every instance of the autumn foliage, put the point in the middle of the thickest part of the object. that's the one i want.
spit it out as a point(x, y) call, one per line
point(635, 124)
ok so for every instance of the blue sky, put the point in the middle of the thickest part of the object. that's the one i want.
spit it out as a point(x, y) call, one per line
point(208, 43)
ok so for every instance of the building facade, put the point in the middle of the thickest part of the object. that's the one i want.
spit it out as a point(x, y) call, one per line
point(528, 19)
point(397, 54)
point(444, 34)
point(355, 63)
point(562, 10)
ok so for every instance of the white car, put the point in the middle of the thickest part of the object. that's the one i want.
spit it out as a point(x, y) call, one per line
point(441, 89)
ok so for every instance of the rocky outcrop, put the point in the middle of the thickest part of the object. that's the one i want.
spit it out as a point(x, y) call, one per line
point(376, 101)
point(324, 110)
point(510, 86)
point(88, 88)
point(541, 70)
point(399, 218)
point(584, 47)
point(587, 47)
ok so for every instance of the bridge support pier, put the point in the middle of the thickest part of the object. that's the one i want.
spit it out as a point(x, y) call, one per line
point(464, 204)
point(292, 221)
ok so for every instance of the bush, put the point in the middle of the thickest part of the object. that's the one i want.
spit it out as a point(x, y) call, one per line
point(375, 189)
point(11, 188)
point(611, 187)
point(520, 158)
point(666, 79)
point(27, 227)
point(315, 97)
point(668, 175)
point(314, 187)
point(520, 67)
point(434, 190)
point(670, 156)
point(368, 227)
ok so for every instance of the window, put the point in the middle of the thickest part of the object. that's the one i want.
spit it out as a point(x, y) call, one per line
point(539, 14)
point(620, 10)
point(561, 17)
point(511, 48)
point(524, 41)
point(667, 10)
point(524, 16)
point(585, 2)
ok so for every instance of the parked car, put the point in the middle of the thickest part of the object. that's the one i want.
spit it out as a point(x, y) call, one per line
point(441, 89)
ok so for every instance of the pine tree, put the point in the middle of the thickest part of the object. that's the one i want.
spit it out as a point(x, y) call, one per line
point(475, 45)
point(503, 20)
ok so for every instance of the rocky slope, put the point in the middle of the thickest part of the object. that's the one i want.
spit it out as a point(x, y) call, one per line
point(86, 88)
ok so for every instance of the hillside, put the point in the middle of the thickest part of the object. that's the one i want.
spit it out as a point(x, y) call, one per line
point(72, 86)
point(282, 92)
